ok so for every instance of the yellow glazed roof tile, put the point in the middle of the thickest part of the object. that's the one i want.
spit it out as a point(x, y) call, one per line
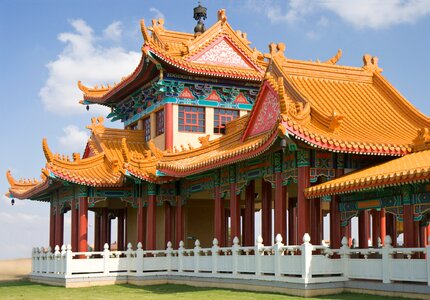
point(414, 167)
point(345, 109)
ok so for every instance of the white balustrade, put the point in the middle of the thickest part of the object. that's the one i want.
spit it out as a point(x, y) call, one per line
point(304, 263)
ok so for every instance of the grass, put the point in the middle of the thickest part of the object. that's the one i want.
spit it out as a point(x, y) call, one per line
point(28, 290)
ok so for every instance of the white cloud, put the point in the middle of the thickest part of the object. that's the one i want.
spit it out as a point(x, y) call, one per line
point(377, 14)
point(373, 14)
point(74, 140)
point(113, 31)
point(157, 14)
point(85, 58)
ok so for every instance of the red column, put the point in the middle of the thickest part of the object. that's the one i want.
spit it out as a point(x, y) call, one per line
point(59, 226)
point(234, 213)
point(249, 218)
point(266, 212)
point(141, 223)
point(376, 227)
point(391, 226)
point(83, 225)
point(382, 225)
point(218, 216)
point(280, 207)
point(168, 123)
point(97, 232)
point(226, 216)
point(120, 231)
point(167, 223)
point(408, 226)
point(151, 222)
point(179, 221)
point(303, 225)
point(52, 214)
point(363, 229)
point(104, 227)
point(427, 234)
point(315, 212)
point(292, 216)
point(335, 227)
point(74, 225)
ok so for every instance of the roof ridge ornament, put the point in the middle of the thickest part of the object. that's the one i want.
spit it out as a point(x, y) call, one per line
point(277, 50)
point(371, 63)
point(422, 141)
point(97, 125)
point(200, 13)
point(335, 58)
point(336, 121)
point(222, 16)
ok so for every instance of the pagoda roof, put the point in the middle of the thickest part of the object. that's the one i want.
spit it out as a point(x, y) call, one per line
point(219, 52)
point(344, 109)
point(411, 168)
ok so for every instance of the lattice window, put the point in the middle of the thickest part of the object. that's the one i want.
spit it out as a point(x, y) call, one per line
point(191, 119)
point(222, 117)
point(147, 128)
point(159, 118)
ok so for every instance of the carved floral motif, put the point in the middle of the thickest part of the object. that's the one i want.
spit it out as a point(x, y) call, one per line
point(267, 116)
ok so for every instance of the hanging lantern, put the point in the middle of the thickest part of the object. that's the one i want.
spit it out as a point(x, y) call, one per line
point(12, 201)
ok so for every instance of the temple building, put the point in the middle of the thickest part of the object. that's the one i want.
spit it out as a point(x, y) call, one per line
point(215, 130)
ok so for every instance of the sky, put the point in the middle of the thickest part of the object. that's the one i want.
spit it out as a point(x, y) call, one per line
point(48, 45)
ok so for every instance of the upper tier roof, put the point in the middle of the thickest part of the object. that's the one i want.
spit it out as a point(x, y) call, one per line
point(219, 52)
point(344, 109)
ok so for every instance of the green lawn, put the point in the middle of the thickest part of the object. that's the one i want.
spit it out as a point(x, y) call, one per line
point(28, 290)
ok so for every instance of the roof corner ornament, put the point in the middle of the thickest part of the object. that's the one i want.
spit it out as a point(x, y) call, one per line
point(200, 13)
point(422, 141)
point(97, 125)
point(155, 151)
point(204, 140)
point(335, 122)
point(371, 63)
point(144, 31)
point(124, 150)
point(48, 153)
point(277, 50)
point(10, 178)
point(222, 16)
point(335, 58)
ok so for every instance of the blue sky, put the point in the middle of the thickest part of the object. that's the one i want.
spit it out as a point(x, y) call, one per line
point(47, 46)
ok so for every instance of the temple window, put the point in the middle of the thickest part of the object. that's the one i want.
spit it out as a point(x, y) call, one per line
point(147, 128)
point(159, 122)
point(222, 117)
point(191, 119)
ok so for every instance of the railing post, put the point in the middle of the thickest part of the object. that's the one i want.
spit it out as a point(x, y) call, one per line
point(278, 253)
point(386, 260)
point(69, 260)
point(106, 256)
point(56, 260)
point(428, 261)
point(36, 260)
point(139, 259)
point(181, 257)
point(42, 260)
point(33, 259)
point(63, 259)
point(215, 254)
point(47, 256)
point(258, 252)
point(169, 252)
point(306, 249)
point(129, 259)
point(235, 255)
point(197, 250)
point(344, 256)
